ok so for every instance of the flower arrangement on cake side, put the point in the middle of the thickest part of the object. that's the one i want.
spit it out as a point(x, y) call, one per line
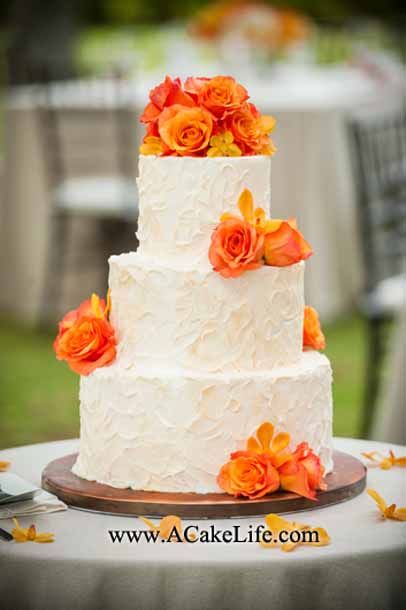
point(243, 244)
point(86, 339)
point(265, 466)
point(204, 117)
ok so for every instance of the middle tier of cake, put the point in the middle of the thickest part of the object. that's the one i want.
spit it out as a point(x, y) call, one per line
point(196, 320)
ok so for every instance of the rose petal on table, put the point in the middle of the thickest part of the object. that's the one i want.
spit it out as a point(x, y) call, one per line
point(387, 512)
point(22, 534)
point(277, 524)
point(385, 462)
point(170, 528)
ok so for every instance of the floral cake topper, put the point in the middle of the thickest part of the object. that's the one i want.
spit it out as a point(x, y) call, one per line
point(204, 117)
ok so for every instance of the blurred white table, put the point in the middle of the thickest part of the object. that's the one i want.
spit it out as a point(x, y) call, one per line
point(311, 177)
point(363, 567)
point(390, 421)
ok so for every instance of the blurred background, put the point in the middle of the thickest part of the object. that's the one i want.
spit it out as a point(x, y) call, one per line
point(76, 76)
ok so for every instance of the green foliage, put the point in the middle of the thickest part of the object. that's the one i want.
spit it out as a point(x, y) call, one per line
point(39, 395)
point(154, 11)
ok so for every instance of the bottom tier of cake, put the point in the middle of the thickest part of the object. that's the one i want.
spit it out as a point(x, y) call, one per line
point(173, 431)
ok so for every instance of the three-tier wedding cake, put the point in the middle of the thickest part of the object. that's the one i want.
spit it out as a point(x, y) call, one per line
point(207, 315)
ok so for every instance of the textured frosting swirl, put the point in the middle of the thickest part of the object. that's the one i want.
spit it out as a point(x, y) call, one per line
point(158, 430)
point(182, 198)
point(197, 320)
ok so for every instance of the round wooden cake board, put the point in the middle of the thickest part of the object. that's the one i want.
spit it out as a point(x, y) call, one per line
point(347, 480)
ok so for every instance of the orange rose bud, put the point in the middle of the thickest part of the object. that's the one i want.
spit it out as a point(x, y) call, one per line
point(185, 131)
point(249, 475)
point(302, 473)
point(220, 95)
point(312, 334)
point(250, 129)
point(167, 93)
point(286, 245)
point(236, 247)
point(293, 477)
point(312, 464)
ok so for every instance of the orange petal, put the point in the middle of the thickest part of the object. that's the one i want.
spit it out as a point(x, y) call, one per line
point(294, 477)
point(151, 113)
point(399, 514)
point(246, 205)
point(167, 526)
point(371, 455)
point(313, 335)
point(253, 445)
point(31, 532)
point(108, 304)
point(280, 442)
point(152, 145)
point(386, 464)
point(149, 523)
point(285, 246)
point(228, 216)
point(265, 434)
point(267, 123)
point(45, 537)
point(259, 215)
point(378, 499)
point(20, 534)
point(276, 523)
point(96, 306)
point(272, 225)
point(323, 538)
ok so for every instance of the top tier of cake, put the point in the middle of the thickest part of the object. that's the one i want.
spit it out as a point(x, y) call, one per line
point(181, 200)
point(170, 309)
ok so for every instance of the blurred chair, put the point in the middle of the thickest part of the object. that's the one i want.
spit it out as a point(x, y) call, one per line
point(379, 157)
point(87, 130)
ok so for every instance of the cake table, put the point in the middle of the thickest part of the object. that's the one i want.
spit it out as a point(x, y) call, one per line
point(362, 567)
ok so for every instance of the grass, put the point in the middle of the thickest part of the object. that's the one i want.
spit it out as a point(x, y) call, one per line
point(39, 395)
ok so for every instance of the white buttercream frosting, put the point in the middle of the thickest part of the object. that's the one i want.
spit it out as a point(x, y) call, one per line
point(159, 430)
point(202, 360)
point(196, 319)
point(181, 200)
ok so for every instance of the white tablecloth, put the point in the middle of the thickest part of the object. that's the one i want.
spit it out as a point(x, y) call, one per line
point(311, 178)
point(363, 567)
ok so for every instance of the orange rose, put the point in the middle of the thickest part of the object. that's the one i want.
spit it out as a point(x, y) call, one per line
point(312, 334)
point(248, 474)
point(220, 95)
point(236, 247)
point(185, 131)
point(286, 245)
point(250, 130)
point(169, 92)
point(303, 473)
point(86, 338)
